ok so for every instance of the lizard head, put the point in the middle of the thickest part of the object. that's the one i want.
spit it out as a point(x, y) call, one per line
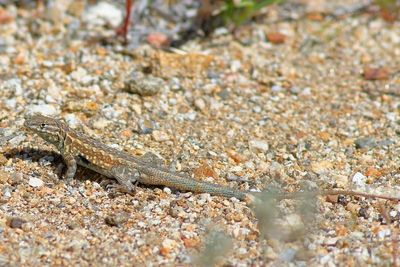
point(49, 129)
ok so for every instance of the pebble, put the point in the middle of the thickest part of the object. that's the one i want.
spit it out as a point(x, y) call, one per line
point(103, 14)
point(17, 140)
point(148, 85)
point(236, 65)
point(15, 222)
point(294, 220)
point(258, 145)
point(276, 88)
point(366, 142)
point(10, 103)
point(44, 109)
point(383, 233)
point(359, 179)
point(46, 160)
point(236, 169)
point(169, 243)
point(386, 143)
point(72, 120)
point(160, 136)
point(7, 193)
point(35, 182)
point(295, 90)
point(341, 180)
point(175, 84)
point(190, 116)
point(391, 116)
point(167, 190)
point(101, 123)
point(288, 255)
point(232, 177)
point(200, 104)
point(14, 85)
point(145, 126)
point(257, 109)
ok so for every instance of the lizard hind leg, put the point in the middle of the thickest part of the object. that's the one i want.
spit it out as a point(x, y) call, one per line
point(126, 177)
point(150, 157)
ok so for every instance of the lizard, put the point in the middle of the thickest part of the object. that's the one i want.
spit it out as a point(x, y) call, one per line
point(77, 148)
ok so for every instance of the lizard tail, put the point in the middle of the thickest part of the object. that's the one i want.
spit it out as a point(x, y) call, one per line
point(156, 176)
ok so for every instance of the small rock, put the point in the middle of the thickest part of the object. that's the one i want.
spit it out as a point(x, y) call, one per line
point(10, 103)
point(232, 177)
point(332, 198)
point(373, 74)
point(359, 179)
point(341, 180)
point(15, 222)
point(182, 65)
point(383, 233)
point(72, 120)
point(7, 193)
point(15, 141)
point(78, 74)
point(200, 104)
point(158, 40)
point(167, 190)
point(103, 14)
point(330, 241)
point(142, 85)
point(44, 109)
point(385, 143)
point(145, 126)
point(35, 182)
point(288, 255)
point(294, 220)
point(101, 123)
point(391, 116)
point(115, 219)
point(236, 65)
point(259, 145)
point(175, 84)
point(321, 166)
point(160, 136)
point(5, 17)
point(295, 90)
point(276, 37)
point(366, 142)
point(169, 243)
point(14, 85)
point(276, 88)
point(257, 109)
point(353, 208)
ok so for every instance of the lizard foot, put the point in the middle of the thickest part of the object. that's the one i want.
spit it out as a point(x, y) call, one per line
point(117, 189)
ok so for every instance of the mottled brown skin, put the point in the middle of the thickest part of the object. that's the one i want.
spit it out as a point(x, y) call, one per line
point(77, 148)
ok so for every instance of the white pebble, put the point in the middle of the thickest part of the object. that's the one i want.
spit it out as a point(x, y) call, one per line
point(259, 145)
point(167, 190)
point(35, 182)
point(72, 120)
point(44, 109)
point(160, 136)
point(359, 179)
point(104, 14)
point(236, 65)
point(17, 140)
point(11, 103)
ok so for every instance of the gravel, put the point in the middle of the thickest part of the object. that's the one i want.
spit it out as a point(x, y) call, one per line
point(232, 108)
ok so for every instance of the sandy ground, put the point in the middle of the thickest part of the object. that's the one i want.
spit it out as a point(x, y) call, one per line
point(303, 98)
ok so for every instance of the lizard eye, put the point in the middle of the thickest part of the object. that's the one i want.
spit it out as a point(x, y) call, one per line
point(42, 125)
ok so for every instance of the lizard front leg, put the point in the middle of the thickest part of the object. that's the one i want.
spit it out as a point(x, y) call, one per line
point(126, 177)
point(70, 161)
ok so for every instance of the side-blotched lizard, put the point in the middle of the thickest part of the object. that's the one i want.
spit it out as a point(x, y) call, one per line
point(77, 148)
